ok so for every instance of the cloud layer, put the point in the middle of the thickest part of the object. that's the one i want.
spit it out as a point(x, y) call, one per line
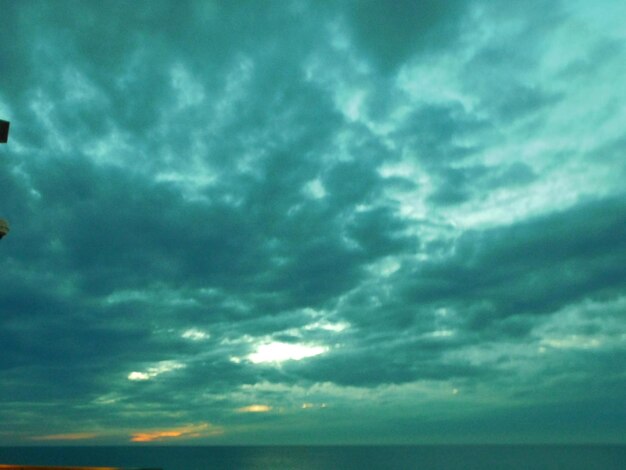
point(304, 222)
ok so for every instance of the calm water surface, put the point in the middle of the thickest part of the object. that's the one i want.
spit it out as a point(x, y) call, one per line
point(319, 458)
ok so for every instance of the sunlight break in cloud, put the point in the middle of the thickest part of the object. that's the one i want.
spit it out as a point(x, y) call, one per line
point(185, 432)
point(194, 334)
point(279, 352)
point(324, 325)
point(162, 367)
point(308, 406)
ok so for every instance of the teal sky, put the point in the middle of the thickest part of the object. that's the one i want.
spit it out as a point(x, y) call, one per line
point(313, 222)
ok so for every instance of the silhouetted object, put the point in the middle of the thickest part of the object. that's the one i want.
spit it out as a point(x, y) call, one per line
point(4, 228)
point(4, 136)
point(4, 131)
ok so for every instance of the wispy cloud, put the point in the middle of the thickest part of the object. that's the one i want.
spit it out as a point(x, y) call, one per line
point(77, 436)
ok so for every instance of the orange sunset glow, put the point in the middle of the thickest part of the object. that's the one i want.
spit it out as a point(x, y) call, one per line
point(186, 432)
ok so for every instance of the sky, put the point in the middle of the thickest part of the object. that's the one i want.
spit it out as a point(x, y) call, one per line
point(313, 222)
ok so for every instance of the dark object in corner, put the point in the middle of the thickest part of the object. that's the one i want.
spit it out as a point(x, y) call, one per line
point(4, 229)
point(4, 131)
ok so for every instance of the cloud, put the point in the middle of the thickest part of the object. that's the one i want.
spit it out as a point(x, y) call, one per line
point(533, 267)
point(391, 34)
point(79, 436)
point(191, 431)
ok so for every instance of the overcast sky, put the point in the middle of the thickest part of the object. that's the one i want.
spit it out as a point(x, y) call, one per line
point(256, 222)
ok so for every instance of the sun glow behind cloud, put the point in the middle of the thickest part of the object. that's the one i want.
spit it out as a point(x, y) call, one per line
point(254, 409)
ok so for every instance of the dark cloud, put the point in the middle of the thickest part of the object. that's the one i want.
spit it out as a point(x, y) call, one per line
point(435, 133)
point(536, 266)
point(458, 185)
point(508, 99)
point(391, 34)
point(386, 361)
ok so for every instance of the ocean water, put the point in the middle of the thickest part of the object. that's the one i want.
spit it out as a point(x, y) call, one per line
point(332, 457)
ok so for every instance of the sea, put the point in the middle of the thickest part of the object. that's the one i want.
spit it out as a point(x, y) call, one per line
point(424, 457)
